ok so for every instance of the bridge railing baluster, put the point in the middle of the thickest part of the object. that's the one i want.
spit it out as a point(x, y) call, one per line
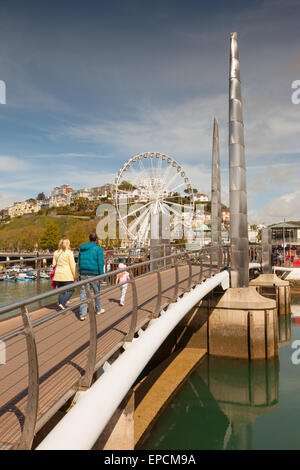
point(28, 430)
point(134, 315)
point(176, 287)
point(87, 378)
point(159, 295)
point(201, 270)
point(189, 262)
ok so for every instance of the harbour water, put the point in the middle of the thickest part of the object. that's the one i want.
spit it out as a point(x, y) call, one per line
point(13, 291)
point(225, 404)
point(232, 404)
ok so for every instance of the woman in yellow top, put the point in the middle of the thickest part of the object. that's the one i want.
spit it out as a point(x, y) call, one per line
point(65, 271)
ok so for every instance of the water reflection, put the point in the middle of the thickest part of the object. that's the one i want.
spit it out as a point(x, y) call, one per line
point(218, 405)
point(284, 329)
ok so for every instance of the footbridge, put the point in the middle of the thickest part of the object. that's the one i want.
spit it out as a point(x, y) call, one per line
point(49, 355)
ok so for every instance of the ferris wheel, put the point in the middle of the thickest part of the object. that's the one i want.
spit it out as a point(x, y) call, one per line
point(149, 184)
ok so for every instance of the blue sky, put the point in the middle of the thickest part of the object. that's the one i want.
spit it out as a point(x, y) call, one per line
point(90, 84)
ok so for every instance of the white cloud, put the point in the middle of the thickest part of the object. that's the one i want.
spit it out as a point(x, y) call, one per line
point(182, 131)
point(286, 207)
point(8, 198)
point(12, 164)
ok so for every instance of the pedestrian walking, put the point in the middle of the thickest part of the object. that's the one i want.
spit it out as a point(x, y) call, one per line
point(122, 279)
point(65, 271)
point(107, 269)
point(90, 264)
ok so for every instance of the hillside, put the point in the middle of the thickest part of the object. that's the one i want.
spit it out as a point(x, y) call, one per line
point(23, 233)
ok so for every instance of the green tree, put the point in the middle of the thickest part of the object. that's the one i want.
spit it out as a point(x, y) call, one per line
point(51, 236)
point(41, 197)
point(77, 236)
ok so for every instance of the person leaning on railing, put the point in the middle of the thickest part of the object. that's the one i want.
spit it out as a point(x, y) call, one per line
point(65, 271)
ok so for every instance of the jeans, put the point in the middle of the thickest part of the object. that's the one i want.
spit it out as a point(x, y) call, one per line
point(64, 296)
point(96, 289)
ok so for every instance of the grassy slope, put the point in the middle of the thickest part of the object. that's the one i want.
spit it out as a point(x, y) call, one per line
point(24, 232)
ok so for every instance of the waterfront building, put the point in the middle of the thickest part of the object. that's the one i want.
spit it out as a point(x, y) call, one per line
point(285, 234)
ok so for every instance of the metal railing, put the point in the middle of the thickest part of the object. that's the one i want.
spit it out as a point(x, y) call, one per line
point(197, 263)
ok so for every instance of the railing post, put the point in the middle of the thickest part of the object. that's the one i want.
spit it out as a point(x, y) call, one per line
point(190, 274)
point(210, 262)
point(201, 270)
point(176, 280)
point(158, 303)
point(220, 257)
point(87, 379)
point(133, 324)
point(38, 278)
point(28, 430)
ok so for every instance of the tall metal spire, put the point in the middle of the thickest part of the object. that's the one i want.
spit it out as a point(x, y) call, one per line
point(216, 234)
point(237, 175)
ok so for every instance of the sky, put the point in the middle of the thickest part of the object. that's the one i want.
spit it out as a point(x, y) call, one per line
point(91, 84)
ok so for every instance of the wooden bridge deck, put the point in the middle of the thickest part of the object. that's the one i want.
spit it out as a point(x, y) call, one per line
point(62, 346)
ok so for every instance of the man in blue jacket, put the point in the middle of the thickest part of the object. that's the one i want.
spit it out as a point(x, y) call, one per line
point(90, 264)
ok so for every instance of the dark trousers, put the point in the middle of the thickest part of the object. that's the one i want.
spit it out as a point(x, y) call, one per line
point(64, 296)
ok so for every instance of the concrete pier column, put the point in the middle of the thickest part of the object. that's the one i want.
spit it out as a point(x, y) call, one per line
point(237, 175)
point(243, 324)
point(216, 234)
point(271, 286)
point(268, 284)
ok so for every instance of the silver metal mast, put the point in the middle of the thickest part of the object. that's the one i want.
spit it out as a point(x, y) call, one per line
point(237, 175)
point(266, 241)
point(216, 234)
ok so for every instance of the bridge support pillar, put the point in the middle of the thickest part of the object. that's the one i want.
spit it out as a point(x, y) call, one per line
point(216, 212)
point(160, 237)
point(119, 431)
point(270, 285)
point(243, 324)
point(237, 175)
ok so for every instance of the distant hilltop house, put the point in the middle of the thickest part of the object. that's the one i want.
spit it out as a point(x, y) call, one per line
point(60, 196)
point(64, 195)
point(30, 206)
point(200, 197)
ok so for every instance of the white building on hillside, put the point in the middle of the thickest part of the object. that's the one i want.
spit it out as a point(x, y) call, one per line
point(31, 206)
point(200, 197)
